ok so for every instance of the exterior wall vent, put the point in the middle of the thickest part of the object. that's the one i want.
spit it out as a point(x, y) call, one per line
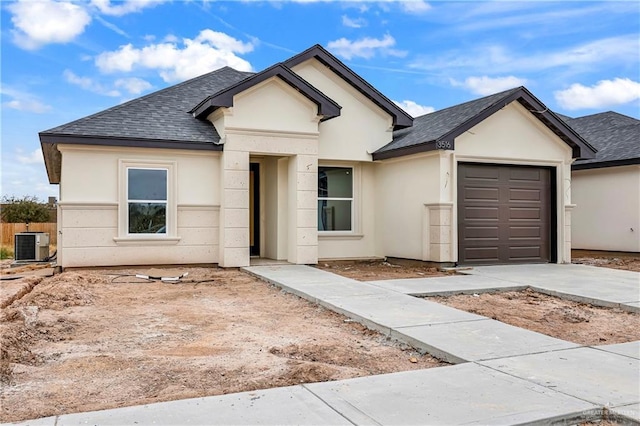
point(31, 246)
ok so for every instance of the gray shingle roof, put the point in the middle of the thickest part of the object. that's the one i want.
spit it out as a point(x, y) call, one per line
point(162, 115)
point(439, 129)
point(433, 126)
point(615, 136)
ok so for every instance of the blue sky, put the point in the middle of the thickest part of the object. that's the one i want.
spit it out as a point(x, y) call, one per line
point(63, 60)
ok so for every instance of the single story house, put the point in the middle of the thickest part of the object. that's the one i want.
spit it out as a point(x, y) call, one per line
point(606, 189)
point(306, 161)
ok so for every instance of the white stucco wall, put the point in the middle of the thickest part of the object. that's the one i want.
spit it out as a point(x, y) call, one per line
point(362, 126)
point(403, 187)
point(607, 212)
point(92, 191)
point(271, 106)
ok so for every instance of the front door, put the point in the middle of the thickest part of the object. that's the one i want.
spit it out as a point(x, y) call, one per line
point(254, 209)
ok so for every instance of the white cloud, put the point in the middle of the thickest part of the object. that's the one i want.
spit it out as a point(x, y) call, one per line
point(485, 85)
point(123, 7)
point(414, 109)
point(112, 27)
point(415, 6)
point(33, 157)
point(366, 47)
point(88, 84)
point(133, 85)
point(210, 50)
point(603, 94)
point(43, 22)
point(497, 58)
point(22, 101)
point(353, 23)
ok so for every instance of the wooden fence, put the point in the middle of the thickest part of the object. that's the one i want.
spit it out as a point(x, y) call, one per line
point(9, 230)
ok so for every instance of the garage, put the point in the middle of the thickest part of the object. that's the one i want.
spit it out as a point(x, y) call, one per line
point(505, 214)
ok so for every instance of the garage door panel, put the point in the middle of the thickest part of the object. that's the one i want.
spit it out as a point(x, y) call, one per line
point(517, 174)
point(525, 213)
point(482, 194)
point(503, 214)
point(482, 213)
point(525, 194)
point(482, 233)
point(525, 253)
point(524, 232)
point(481, 173)
point(483, 254)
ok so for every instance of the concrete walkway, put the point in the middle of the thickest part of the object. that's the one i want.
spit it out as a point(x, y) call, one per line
point(505, 374)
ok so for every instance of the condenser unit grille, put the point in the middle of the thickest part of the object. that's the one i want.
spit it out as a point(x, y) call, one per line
point(31, 246)
point(25, 247)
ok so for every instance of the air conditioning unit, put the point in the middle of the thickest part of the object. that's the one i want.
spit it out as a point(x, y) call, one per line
point(33, 246)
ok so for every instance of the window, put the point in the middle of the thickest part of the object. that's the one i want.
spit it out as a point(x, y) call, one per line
point(335, 199)
point(147, 201)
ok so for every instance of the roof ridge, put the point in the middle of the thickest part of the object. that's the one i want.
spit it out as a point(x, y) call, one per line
point(503, 93)
point(607, 113)
point(142, 98)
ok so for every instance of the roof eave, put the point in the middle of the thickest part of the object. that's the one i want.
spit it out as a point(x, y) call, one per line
point(603, 164)
point(59, 138)
point(407, 150)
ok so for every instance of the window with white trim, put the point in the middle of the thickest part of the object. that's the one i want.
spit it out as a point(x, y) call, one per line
point(147, 200)
point(335, 198)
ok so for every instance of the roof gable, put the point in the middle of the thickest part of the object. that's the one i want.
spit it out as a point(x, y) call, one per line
point(439, 129)
point(400, 118)
point(224, 98)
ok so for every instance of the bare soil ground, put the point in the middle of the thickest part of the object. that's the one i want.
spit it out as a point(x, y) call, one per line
point(374, 270)
point(607, 259)
point(575, 322)
point(85, 340)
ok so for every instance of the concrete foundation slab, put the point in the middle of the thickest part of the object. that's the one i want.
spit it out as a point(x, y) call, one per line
point(444, 286)
point(44, 421)
point(631, 349)
point(477, 340)
point(462, 394)
point(596, 376)
point(602, 286)
point(291, 405)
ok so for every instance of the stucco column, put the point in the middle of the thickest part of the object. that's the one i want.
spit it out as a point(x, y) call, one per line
point(437, 230)
point(234, 209)
point(566, 258)
point(302, 212)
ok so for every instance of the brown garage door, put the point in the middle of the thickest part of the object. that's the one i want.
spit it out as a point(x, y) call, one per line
point(504, 214)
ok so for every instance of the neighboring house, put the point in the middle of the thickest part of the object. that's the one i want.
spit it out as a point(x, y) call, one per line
point(606, 189)
point(305, 161)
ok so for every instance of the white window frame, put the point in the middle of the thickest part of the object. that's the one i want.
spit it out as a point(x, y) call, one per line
point(137, 201)
point(126, 238)
point(355, 192)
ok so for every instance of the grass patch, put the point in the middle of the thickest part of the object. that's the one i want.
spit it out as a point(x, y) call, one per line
point(6, 253)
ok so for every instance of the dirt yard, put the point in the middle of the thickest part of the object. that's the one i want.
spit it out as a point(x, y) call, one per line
point(374, 270)
point(607, 259)
point(86, 340)
point(563, 319)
